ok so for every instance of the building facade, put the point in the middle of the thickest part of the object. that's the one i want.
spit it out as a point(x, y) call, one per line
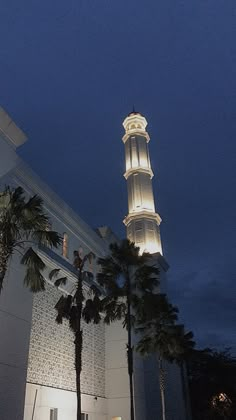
point(37, 376)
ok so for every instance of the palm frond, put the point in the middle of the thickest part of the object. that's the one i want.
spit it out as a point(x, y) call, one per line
point(153, 308)
point(110, 286)
point(61, 281)
point(86, 276)
point(92, 309)
point(34, 280)
point(5, 198)
point(147, 277)
point(31, 222)
point(47, 238)
point(74, 320)
point(17, 196)
point(32, 216)
point(126, 254)
point(23, 220)
point(110, 269)
point(34, 204)
point(113, 309)
point(90, 257)
point(32, 260)
point(145, 346)
point(34, 265)
point(77, 260)
point(54, 273)
point(63, 308)
point(95, 290)
point(125, 320)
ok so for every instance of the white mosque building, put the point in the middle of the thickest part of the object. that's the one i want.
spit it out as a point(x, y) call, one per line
point(37, 377)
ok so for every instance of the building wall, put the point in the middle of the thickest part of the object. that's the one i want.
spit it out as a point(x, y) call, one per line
point(46, 398)
point(117, 381)
point(139, 387)
point(174, 395)
point(15, 325)
point(9, 156)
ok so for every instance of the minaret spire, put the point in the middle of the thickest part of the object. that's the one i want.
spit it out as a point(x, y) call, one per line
point(142, 221)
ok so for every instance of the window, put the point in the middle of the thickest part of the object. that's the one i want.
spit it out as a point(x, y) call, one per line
point(134, 153)
point(84, 416)
point(53, 413)
point(65, 245)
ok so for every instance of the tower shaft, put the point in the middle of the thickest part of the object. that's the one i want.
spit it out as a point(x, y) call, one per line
point(142, 221)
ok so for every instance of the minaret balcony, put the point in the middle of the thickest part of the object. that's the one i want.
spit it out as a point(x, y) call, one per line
point(145, 214)
point(136, 169)
point(135, 131)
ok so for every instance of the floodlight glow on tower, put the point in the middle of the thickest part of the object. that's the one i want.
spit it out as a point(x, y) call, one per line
point(142, 221)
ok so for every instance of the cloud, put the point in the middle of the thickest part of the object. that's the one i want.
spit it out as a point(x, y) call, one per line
point(206, 298)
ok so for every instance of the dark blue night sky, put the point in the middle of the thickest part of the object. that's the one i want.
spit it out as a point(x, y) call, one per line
point(71, 71)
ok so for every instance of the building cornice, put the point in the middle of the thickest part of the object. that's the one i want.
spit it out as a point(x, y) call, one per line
point(32, 183)
point(53, 260)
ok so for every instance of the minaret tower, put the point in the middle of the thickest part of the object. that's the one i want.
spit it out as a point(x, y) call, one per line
point(142, 222)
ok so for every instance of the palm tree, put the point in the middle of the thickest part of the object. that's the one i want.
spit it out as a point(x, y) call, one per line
point(124, 275)
point(154, 313)
point(156, 322)
point(211, 376)
point(23, 226)
point(183, 347)
point(75, 307)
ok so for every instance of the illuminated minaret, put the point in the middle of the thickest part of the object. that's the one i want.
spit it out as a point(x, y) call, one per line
point(142, 222)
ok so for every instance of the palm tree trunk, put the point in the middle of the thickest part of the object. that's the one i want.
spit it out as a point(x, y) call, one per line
point(78, 342)
point(130, 372)
point(162, 387)
point(130, 351)
point(78, 368)
point(2, 275)
point(185, 391)
point(4, 257)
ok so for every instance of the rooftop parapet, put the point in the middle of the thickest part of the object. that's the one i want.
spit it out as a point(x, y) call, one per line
point(10, 131)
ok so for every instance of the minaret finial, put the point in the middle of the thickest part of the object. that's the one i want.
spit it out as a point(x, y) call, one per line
point(133, 109)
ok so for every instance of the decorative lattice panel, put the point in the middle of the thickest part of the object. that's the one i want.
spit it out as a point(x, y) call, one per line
point(51, 355)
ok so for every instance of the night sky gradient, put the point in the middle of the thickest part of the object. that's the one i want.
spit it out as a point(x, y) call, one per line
point(72, 70)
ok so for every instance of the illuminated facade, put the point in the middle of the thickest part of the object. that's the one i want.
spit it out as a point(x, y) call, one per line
point(142, 221)
point(37, 375)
